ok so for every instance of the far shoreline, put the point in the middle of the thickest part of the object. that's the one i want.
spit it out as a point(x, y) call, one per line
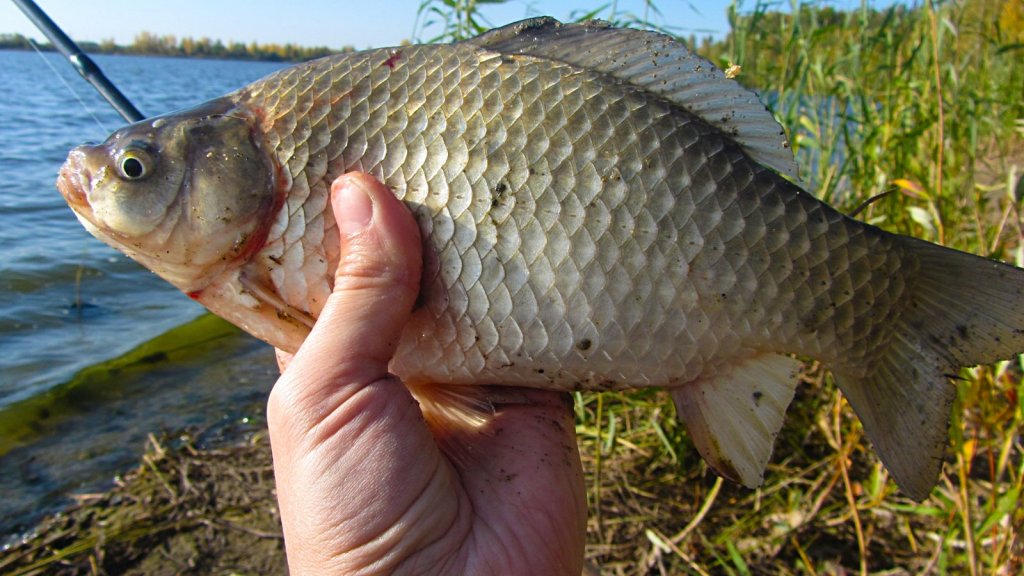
point(147, 44)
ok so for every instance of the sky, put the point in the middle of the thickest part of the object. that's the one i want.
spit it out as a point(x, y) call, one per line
point(337, 23)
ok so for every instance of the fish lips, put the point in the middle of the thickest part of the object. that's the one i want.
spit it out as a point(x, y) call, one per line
point(75, 180)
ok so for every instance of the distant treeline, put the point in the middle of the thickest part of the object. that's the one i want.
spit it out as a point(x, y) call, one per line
point(993, 21)
point(147, 43)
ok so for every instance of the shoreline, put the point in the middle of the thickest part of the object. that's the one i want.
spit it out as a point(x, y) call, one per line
point(192, 506)
point(169, 47)
point(182, 508)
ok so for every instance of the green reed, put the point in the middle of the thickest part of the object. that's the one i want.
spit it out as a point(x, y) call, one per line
point(921, 101)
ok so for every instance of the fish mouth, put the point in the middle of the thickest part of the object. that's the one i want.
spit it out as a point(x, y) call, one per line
point(75, 180)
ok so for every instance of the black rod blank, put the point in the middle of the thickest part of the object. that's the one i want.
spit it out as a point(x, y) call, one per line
point(80, 60)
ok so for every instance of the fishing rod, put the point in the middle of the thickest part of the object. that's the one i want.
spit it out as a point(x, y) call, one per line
point(79, 60)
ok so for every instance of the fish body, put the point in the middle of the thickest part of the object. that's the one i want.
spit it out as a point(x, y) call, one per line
point(601, 209)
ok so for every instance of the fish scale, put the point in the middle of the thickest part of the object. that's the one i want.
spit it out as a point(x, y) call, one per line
point(600, 208)
point(542, 186)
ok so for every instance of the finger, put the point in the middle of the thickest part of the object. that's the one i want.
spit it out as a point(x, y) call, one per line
point(523, 469)
point(378, 274)
point(375, 287)
point(342, 430)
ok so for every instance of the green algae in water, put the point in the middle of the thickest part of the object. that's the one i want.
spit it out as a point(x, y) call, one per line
point(24, 421)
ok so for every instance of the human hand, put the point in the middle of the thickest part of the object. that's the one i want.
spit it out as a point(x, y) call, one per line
point(365, 484)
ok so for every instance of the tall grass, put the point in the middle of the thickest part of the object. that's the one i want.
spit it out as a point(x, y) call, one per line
point(926, 99)
point(913, 116)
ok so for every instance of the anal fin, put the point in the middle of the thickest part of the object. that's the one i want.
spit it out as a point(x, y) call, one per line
point(735, 416)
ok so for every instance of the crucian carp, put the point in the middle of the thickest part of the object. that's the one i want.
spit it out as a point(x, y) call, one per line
point(601, 209)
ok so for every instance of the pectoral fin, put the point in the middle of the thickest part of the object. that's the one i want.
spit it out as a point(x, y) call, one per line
point(259, 287)
point(735, 416)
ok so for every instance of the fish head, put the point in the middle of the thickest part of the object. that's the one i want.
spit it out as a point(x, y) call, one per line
point(186, 195)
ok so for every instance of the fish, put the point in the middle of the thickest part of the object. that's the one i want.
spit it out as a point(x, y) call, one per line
point(601, 209)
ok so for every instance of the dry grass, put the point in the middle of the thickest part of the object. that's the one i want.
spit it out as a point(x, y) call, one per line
point(827, 506)
point(182, 511)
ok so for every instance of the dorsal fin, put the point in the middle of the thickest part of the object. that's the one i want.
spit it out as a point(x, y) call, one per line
point(658, 64)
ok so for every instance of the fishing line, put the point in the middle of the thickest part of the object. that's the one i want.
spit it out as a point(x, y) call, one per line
point(103, 129)
point(79, 60)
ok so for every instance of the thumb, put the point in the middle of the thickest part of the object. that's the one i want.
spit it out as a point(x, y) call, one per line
point(375, 287)
point(327, 454)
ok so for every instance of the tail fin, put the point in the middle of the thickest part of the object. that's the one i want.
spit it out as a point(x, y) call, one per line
point(962, 310)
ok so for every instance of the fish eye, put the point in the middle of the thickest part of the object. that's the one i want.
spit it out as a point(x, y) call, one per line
point(134, 164)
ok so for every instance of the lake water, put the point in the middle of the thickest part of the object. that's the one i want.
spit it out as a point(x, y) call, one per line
point(95, 351)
